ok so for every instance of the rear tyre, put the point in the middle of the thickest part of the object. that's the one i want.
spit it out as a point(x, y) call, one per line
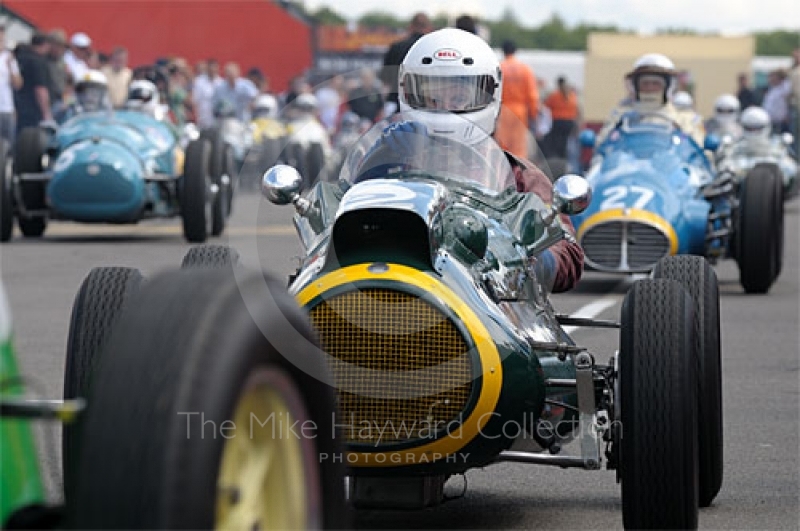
point(698, 278)
point(760, 249)
point(29, 150)
point(210, 256)
point(658, 457)
point(100, 301)
point(149, 464)
point(6, 202)
point(221, 164)
point(196, 207)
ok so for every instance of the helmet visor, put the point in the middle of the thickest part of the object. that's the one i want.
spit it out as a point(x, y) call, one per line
point(91, 96)
point(754, 128)
point(140, 94)
point(448, 93)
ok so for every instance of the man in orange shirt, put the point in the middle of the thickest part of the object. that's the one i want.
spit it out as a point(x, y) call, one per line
point(563, 105)
point(520, 103)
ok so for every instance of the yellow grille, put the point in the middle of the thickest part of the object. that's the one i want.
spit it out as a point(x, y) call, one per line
point(402, 368)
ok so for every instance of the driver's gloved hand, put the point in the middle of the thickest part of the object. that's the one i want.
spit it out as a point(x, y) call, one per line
point(51, 126)
point(405, 138)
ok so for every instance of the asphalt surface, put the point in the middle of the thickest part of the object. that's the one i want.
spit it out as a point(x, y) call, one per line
point(761, 382)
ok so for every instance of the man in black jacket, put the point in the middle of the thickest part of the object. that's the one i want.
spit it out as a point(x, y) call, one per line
point(32, 100)
point(419, 26)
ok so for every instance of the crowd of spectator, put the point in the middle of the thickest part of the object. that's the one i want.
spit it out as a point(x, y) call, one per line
point(38, 81)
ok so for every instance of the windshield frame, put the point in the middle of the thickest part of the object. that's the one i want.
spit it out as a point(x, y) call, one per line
point(396, 152)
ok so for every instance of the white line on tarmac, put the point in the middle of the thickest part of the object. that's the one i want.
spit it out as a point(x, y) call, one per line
point(595, 308)
point(591, 310)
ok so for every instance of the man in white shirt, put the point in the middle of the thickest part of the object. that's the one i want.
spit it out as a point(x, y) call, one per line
point(203, 89)
point(329, 100)
point(236, 91)
point(10, 80)
point(76, 57)
point(776, 101)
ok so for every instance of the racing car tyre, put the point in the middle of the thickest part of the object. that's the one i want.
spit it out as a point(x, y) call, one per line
point(221, 163)
point(6, 203)
point(213, 256)
point(97, 307)
point(29, 149)
point(169, 428)
point(658, 442)
point(760, 247)
point(196, 208)
point(698, 278)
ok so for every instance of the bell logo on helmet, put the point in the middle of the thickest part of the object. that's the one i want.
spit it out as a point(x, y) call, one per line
point(447, 54)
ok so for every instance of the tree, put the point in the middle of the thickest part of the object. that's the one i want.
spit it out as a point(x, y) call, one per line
point(777, 42)
point(378, 19)
point(326, 15)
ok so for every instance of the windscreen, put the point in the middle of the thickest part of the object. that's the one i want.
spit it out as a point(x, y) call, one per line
point(401, 147)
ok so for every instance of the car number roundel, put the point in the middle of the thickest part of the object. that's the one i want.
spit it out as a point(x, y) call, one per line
point(626, 197)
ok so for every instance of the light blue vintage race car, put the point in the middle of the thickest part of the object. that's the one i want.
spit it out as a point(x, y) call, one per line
point(111, 167)
point(770, 154)
point(657, 194)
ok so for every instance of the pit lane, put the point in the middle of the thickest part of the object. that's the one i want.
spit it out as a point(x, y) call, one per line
point(760, 373)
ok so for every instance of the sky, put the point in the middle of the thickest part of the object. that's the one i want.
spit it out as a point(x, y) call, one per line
point(728, 17)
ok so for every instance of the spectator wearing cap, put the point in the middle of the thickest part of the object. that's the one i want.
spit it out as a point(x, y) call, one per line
point(32, 100)
point(57, 70)
point(77, 57)
point(118, 76)
point(520, 103)
point(10, 80)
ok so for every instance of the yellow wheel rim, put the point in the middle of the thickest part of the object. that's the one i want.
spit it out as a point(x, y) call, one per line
point(264, 481)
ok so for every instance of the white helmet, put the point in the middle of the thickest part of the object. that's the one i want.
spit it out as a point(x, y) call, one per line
point(683, 101)
point(91, 91)
point(755, 123)
point(652, 66)
point(265, 106)
point(450, 80)
point(305, 102)
point(143, 97)
point(726, 108)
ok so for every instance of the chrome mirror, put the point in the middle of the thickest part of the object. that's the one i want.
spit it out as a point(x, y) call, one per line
point(281, 184)
point(571, 194)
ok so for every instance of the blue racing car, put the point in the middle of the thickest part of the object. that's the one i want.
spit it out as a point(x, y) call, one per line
point(109, 167)
point(657, 194)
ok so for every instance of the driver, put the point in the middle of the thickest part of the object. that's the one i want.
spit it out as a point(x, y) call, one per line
point(726, 113)
point(450, 82)
point(652, 84)
point(143, 97)
point(91, 92)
